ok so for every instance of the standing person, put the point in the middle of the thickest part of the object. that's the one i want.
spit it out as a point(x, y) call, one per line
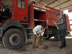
point(38, 32)
point(61, 26)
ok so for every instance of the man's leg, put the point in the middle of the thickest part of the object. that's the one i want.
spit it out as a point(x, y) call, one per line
point(41, 40)
point(63, 41)
point(37, 41)
point(34, 40)
point(63, 38)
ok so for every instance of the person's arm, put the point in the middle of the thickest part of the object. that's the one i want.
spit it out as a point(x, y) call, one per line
point(42, 33)
point(61, 21)
point(56, 25)
point(34, 32)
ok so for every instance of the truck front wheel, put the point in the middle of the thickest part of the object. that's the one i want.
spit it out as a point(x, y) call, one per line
point(13, 39)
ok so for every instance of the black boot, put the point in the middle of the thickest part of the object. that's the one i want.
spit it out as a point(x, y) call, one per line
point(62, 46)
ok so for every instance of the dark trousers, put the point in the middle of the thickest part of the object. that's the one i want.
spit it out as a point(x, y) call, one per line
point(62, 33)
point(0, 17)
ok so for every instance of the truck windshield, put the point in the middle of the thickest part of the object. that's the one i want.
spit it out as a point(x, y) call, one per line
point(7, 3)
point(6, 10)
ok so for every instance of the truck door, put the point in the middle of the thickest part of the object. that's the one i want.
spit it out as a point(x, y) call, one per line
point(21, 10)
point(0, 3)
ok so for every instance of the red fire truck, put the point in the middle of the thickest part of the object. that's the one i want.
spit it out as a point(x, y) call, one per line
point(18, 18)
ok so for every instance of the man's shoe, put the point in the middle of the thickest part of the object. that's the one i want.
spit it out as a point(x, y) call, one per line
point(62, 47)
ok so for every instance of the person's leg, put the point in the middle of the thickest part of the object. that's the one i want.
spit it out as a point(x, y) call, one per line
point(37, 41)
point(63, 38)
point(34, 41)
point(41, 40)
point(60, 35)
point(63, 41)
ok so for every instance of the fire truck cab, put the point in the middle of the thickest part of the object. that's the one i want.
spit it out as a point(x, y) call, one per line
point(13, 19)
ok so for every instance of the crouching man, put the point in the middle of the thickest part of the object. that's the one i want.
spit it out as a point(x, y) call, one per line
point(38, 32)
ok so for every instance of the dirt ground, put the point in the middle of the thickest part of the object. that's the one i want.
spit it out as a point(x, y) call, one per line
point(52, 48)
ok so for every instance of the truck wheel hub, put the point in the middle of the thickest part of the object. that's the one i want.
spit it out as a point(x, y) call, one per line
point(14, 39)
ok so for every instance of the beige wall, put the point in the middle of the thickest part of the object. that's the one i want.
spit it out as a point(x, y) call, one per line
point(65, 4)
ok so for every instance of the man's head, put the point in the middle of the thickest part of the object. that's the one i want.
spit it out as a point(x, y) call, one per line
point(33, 2)
point(0, 10)
point(43, 24)
point(57, 15)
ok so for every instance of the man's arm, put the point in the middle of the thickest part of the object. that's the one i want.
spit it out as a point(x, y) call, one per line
point(34, 32)
point(42, 33)
point(56, 25)
point(60, 23)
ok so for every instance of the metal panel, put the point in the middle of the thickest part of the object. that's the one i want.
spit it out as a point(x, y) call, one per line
point(21, 14)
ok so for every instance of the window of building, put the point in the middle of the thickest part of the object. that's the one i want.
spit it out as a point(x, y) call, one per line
point(21, 4)
point(7, 3)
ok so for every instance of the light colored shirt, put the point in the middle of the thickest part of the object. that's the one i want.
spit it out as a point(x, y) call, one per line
point(37, 30)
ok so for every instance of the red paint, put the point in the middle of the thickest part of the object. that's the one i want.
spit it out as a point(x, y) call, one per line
point(31, 16)
point(68, 24)
point(20, 13)
point(41, 16)
point(0, 3)
point(70, 10)
point(51, 15)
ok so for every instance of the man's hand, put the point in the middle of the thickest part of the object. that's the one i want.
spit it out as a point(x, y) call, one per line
point(54, 22)
point(56, 25)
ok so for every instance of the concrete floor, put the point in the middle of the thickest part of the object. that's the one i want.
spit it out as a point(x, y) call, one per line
point(52, 49)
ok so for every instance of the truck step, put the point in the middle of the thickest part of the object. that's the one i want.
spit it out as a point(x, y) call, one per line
point(30, 34)
point(37, 20)
point(29, 28)
point(25, 23)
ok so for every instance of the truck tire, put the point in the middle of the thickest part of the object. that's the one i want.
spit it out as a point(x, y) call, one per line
point(13, 39)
